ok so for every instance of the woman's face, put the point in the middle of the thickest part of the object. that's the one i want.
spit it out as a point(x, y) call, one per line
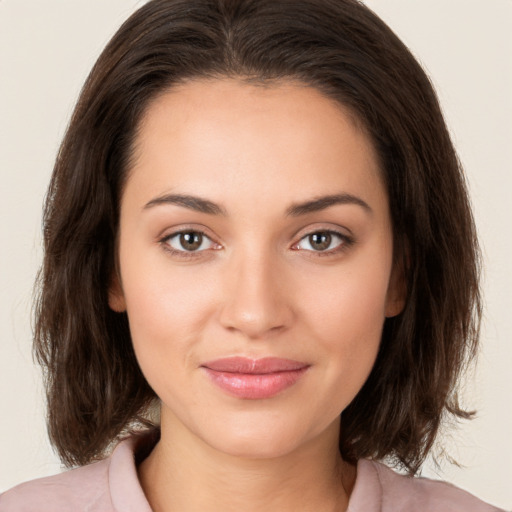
point(255, 257)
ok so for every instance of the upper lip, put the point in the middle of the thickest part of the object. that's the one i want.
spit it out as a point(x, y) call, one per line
point(253, 366)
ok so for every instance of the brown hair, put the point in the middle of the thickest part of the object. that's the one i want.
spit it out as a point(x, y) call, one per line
point(95, 388)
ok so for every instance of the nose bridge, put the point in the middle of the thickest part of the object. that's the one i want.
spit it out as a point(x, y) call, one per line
point(255, 304)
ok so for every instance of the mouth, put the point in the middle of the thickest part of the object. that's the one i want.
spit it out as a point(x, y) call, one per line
point(254, 379)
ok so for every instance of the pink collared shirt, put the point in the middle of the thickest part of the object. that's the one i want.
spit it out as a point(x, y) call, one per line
point(112, 485)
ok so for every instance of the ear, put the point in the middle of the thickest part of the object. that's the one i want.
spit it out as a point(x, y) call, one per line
point(397, 291)
point(116, 299)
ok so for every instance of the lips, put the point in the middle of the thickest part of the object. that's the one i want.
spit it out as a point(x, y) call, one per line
point(254, 379)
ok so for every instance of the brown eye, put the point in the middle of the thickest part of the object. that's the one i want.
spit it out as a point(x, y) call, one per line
point(191, 241)
point(323, 241)
point(320, 241)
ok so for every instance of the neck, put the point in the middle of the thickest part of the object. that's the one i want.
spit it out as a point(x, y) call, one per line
point(183, 473)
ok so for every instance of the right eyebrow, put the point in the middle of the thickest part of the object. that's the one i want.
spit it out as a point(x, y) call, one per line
point(195, 203)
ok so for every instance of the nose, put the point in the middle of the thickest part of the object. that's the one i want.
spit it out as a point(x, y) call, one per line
point(256, 303)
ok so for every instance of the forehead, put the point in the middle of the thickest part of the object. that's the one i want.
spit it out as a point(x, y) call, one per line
point(217, 136)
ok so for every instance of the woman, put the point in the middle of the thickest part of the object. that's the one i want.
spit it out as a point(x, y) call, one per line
point(258, 221)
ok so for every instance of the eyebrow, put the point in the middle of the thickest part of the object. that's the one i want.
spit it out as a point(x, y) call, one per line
point(201, 205)
point(191, 202)
point(321, 203)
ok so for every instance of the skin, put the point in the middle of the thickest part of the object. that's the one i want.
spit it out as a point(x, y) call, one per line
point(256, 287)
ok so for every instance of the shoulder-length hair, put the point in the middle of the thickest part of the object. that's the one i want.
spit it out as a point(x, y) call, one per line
point(95, 389)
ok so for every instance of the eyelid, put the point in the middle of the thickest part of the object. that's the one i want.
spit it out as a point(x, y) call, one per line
point(169, 234)
point(346, 240)
point(326, 227)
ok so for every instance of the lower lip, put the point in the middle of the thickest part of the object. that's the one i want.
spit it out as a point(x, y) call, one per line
point(255, 386)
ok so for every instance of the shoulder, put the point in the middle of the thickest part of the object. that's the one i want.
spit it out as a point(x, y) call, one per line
point(401, 493)
point(84, 488)
point(106, 486)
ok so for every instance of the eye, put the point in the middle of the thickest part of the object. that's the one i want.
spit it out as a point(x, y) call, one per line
point(189, 241)
point(322, 241)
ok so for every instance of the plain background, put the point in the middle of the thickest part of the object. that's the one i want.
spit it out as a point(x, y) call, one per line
point(47, 47)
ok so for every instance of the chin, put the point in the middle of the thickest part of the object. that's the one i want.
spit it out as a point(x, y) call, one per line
point(261, 439)
point(263, 447)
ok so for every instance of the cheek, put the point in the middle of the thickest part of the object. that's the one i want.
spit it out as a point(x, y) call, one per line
point(166, 299)
point(346, 306)
point(167, 310)
point(345, 314)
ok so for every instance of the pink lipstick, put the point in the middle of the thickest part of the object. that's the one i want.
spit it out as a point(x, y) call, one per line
point(254, 379)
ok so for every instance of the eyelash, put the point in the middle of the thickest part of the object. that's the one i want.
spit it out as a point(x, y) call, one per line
point(184, 253)
point(345, 242)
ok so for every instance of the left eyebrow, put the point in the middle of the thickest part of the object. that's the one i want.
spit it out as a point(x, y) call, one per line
point(321, 203)
point(195, 203)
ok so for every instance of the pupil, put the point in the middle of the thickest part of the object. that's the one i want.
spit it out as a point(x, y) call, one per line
point(320, 241)
point(191, 241)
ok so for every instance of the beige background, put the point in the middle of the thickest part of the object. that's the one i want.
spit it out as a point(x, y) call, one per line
point(46, 50)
